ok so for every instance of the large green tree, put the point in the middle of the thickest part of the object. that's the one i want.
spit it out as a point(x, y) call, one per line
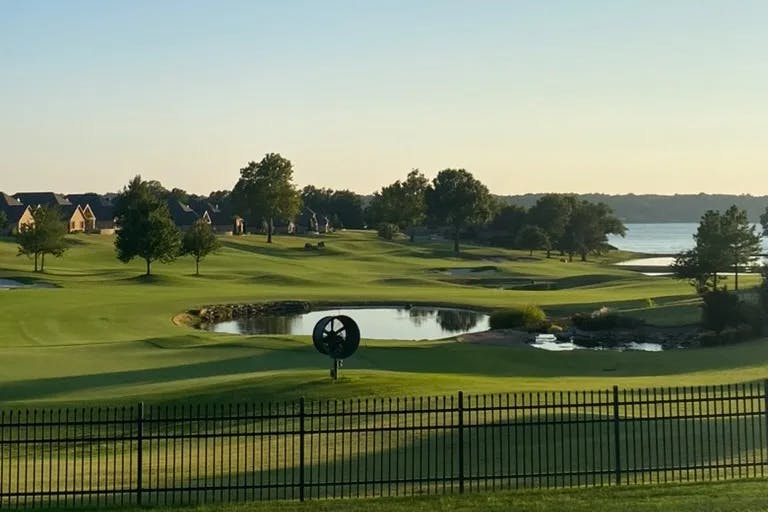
point(145, 228)
point(532, 238)
point(507, 223)
point(552, 213)
point(743, 241)
point(199, 242)
point(722, 241)
point(457, 199)
point(402, 203)
point(265, 191)
point(588, 227)
point(44, 236)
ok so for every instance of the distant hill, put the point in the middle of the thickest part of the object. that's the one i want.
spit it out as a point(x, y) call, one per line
point(633, 208)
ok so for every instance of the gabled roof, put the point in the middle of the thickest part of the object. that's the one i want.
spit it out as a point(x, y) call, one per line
point(101, 206)
point(181, 214)
point(14, 212)
point(6, 200)
point(34, 199)
point(202, 204)
point(220, 219)
point(68, 210)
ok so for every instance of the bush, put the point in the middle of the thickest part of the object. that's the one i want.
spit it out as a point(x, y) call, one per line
point(753, 316)
point(554, 329)
point(725, 337)
point(388, 231)
point(603, 319)
point(529, 317)
point(720, 310)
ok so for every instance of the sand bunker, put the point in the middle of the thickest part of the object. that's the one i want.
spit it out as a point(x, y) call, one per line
point(10, 284)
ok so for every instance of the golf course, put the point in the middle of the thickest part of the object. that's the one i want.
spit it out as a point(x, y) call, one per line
point(99, 332)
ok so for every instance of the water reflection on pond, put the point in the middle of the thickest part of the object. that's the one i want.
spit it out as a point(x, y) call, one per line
point(382, 323)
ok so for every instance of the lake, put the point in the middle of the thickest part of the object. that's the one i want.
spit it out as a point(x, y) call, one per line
point(668, 238)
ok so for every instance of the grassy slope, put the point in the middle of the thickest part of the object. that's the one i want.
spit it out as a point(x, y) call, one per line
point(106, 335)
point(743, 496)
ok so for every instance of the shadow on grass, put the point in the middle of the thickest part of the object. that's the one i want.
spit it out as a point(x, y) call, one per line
point(414, 359)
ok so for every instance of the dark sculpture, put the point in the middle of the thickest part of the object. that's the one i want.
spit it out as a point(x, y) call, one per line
point(337, 337)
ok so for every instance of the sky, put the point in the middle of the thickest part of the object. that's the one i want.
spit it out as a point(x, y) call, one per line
point(612, 96)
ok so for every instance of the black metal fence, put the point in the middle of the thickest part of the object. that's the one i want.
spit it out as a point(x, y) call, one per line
point(332, 449)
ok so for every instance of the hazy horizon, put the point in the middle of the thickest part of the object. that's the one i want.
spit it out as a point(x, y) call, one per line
point(597, 96)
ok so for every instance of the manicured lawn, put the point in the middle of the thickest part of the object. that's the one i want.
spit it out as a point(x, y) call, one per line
point(105, 335)
point(739, 496)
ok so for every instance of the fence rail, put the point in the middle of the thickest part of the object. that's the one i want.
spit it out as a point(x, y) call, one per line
point(380, 447)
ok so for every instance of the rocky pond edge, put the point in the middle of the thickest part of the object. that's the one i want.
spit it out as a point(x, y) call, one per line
point(667, 337)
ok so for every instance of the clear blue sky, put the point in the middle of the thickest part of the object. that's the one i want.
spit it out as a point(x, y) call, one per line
point(609, 96)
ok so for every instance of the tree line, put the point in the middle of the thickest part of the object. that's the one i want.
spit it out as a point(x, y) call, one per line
point(454, 202)
point(657, 208)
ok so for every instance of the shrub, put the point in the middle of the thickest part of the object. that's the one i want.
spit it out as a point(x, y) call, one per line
point(728, 336)
point(720, 310)
point(603, 319)
point(753, 316)
point(387, 230)
point(554, 329)
point(529, 317)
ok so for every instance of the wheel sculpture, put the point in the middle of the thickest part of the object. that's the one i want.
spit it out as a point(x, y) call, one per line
point(337, 337)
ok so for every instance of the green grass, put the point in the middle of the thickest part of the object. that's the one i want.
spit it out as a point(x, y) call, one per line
point(104, 334)
point(738, 496)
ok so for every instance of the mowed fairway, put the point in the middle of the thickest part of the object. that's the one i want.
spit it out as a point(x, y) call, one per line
point(105, 334)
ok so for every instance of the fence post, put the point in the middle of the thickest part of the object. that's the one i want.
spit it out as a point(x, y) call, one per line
point(139, 455)
point(301, 449)
point(461, 442)
point(765, 394)
point(616, 438)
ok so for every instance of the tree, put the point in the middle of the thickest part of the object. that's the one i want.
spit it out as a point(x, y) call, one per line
point(344, 207)
point(507, 222)
point(740, 236)
point(3, 221)
point(723, 241)
point(44, 236)
point(265, 191)
point(199, 242)
point(402, 203)
point(532, 238)
point(413, 205)
point(456, 199)
point(687, 266)
point(764, 221)
point(587, 229)
point(145, 228)
point(551, 213)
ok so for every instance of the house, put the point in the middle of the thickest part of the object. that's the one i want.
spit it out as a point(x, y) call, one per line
point(17, 214)
point(222, 223)
point(183, 216)
point(98, 210)
point(72, 214)
point(221, 220)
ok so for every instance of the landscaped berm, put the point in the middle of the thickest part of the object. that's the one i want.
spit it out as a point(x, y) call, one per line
point(475, 412)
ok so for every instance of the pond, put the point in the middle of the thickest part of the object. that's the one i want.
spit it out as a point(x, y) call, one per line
point(549, 342)
point(376, 323)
